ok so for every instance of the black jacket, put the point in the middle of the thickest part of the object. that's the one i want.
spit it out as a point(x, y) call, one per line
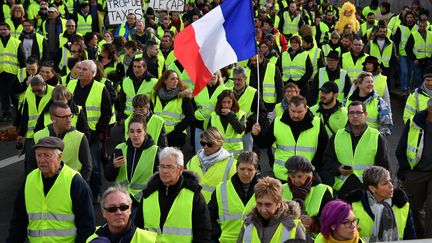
point(267, 137)
point(82, 208)
point(244, 195)
point(201, 227)
point(399, 200)
point(252, 119)
point(133, 156)
point(40, 54)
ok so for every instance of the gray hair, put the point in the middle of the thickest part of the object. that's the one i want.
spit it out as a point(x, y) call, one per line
point(174, 152)
point(91, 64)
point(239, 70)
point(373, 175)
point(37, 80)
point(113, 189)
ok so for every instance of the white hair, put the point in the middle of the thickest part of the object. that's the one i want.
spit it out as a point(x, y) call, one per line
point(113, 189)
point(91, 64)
point(174, 152)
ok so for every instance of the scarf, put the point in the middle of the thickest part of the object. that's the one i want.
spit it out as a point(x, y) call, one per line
point(284, 104)
point(428, 91)
point(168, 95)
point(300, 192)
point(384, 228)
point(353, 240)
point(207, 161)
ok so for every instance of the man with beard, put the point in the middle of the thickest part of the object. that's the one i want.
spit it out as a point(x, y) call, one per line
point(331, 111)
point(296, 132)
point(155, 62)
point(167, 49)
point(346, 42)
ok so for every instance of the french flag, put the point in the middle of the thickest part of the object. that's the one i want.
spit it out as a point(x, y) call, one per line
point(223, 36)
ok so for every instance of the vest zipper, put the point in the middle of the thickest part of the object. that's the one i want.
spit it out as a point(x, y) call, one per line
point(133, 164)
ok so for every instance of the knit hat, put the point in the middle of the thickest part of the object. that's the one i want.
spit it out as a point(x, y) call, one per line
point(299, 163)
point(427, 72)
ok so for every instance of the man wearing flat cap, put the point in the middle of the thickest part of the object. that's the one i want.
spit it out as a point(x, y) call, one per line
point(332, 72)
point(55, 202)
point(417, 101)
point(331, 111)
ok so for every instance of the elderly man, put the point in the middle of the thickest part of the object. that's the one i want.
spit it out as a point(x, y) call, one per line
point(116, 209)
point(77, 151)
point(172, 204)
point(94, 98)
point(54, 205)
point(274, 219)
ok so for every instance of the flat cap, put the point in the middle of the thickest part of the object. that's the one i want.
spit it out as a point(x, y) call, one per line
point(50, 142)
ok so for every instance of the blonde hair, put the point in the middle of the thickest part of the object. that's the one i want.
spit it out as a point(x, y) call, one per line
point(20, 7)
point(361, 77)
point(212, 135)
point(269, 186)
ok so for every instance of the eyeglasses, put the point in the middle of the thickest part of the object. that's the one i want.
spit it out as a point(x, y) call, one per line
point(204, 144)
point(349, 223)
point(168, 167)
point(70, 26)
point(114, 209)
point(355, 113)
point(65, 117)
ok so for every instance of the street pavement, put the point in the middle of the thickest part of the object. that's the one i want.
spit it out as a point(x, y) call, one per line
point(12, 168)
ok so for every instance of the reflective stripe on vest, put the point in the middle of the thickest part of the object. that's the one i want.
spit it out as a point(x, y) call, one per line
point(33, 111)
point(287, 146)
point(323, 78)
point(8, 56)
point(380, 84)
point(269, 89)
point(146, 87)
point(314, 55)
point(143, 170)
point(294, 69)
point(50, 216)
point(93, 102)
point(336, 121)
point(221, 171)
point(64, 57)
point(353, 69)
point(422, 46)
point(312, 201)
point(72, 142)
point(206, 103)
point(246, 99)
point(362, 158)
point(233, 142)
point(417, 101)
point(231, 211)
point(405, 34)
point(173, 230)
point(172, 113)
point(415, 143)
point(384, 55)
point(281, 234)
point(290, 26)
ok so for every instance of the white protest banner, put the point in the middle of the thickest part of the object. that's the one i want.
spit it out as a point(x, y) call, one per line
point(119, 9)
point(169, 5)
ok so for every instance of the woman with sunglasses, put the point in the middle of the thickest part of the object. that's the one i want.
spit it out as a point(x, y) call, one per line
point(338, 224)
point(213, 163)
point(333, 44)
point(230, 121)
point(384, 211)
point(135, 160)
point(119, 227)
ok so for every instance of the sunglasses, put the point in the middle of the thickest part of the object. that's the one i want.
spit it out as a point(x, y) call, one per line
point(114, 209)
point(204, 144)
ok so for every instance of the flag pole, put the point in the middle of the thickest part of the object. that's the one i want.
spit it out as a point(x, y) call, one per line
point(258, 88)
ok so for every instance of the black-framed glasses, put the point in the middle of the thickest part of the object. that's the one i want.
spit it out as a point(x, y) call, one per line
point(70, 116)
point(348, 223)
point(113, 209)
point(204, 144)
point(356, 113)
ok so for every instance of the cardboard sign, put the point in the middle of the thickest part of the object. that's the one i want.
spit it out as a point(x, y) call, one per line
point(119, 9)
point(169, 5)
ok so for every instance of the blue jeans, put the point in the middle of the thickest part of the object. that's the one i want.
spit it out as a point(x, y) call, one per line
point(247, 142)
point(417, 75)
point(95, 177)
point(406, 72)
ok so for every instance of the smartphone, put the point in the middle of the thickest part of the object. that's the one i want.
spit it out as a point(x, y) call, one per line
point(347, 167)
point(118, 153)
